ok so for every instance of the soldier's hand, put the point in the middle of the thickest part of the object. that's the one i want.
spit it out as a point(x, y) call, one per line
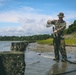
point(49, 22)
point(55, 31)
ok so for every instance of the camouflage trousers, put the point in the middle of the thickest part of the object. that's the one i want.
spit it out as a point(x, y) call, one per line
point(59, 46)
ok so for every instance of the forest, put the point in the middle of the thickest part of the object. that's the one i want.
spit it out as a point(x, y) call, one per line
point(71, 29)
point(25, 38)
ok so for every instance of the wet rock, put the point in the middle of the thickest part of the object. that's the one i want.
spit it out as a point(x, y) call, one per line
point(12, 63)
point(69, 57)
point(39, 54)
point(18, 46)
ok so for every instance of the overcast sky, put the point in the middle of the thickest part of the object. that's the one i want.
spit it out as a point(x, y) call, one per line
point(29, 17)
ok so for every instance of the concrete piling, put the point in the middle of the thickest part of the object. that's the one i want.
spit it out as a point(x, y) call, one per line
point(13, 62)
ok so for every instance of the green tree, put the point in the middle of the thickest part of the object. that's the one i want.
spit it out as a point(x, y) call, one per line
point(71, 28)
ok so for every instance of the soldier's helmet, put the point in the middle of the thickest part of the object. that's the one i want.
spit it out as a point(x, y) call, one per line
point(61, 14)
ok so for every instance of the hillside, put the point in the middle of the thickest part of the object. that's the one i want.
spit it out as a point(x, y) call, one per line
point(72, 35)
point(71, 29)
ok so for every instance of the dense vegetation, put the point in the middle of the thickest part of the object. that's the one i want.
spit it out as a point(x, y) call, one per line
point(71, 28)
point(70, 41)
point(25, 38)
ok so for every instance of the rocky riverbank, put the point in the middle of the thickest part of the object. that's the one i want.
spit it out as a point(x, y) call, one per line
point(40, 47)
point(46, 48)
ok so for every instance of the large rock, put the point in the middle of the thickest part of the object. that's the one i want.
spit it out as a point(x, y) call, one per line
point(18, 46)
point(12, 63)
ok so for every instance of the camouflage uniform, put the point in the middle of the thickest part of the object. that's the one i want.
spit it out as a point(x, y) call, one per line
point(58, 39)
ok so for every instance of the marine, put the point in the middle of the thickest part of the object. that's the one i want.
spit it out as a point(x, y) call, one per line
point(58, 37)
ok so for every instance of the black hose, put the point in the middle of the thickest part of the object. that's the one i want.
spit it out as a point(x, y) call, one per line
point(70, 61)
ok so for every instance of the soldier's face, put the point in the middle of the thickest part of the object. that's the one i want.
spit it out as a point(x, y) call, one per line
point(60, 18)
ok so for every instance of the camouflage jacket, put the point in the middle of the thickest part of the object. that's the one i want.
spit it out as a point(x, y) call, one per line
point(60, 26)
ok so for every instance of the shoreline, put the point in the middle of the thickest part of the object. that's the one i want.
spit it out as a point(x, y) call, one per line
point(73, 45)
point(46, 48)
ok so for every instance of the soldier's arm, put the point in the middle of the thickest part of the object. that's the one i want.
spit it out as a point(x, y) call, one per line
point(51, 22)
point(62, 27)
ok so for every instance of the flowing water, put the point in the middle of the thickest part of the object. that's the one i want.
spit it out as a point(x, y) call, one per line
point(42, 63)
point(5, 45)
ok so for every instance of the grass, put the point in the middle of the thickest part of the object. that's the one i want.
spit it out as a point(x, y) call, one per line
point(69, 41)
point(47, 41)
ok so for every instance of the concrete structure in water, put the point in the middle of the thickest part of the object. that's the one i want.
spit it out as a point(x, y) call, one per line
point(13, 62)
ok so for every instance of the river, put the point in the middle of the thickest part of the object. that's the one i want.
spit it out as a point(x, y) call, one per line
point(41, 63)
point(5, 45)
